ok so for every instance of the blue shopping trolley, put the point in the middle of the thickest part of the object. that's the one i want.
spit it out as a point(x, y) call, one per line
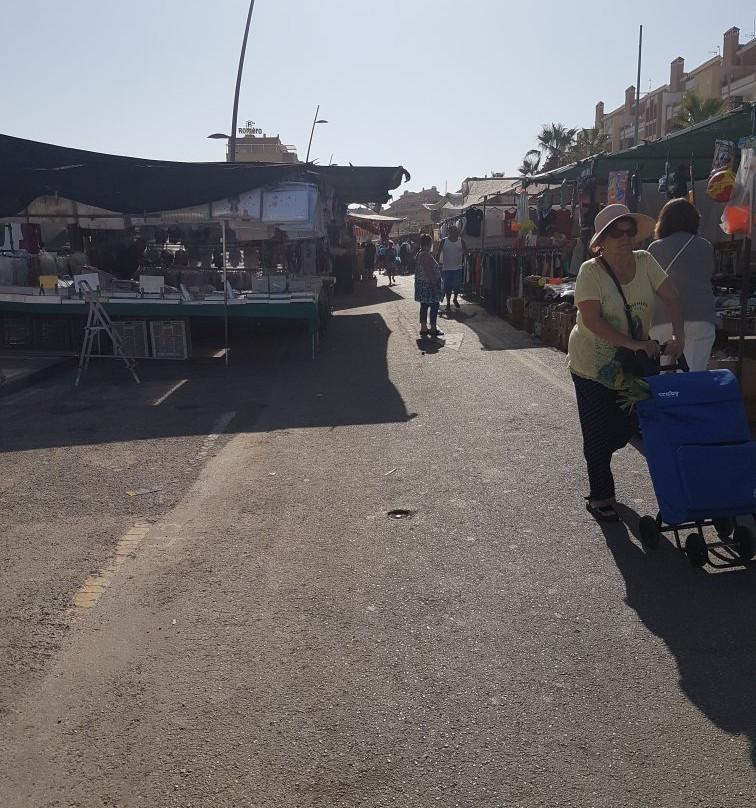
point(702, 463)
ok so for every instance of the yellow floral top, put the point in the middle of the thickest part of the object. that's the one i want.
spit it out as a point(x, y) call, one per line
point(591, 357)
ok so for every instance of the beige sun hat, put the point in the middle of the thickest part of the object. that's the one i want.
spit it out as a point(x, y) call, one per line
point(611, 213)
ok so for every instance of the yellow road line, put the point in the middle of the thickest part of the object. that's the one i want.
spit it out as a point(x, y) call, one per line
point(92, 589)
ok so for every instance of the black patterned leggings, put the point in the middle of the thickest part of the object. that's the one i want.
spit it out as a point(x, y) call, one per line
point(606, 428)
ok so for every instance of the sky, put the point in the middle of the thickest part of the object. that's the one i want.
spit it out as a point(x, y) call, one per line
point(447, 89)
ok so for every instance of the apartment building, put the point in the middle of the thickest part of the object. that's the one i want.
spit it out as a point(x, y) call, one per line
point(730, 76)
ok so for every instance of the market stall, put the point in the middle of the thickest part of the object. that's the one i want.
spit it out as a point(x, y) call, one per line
point(224, 241)
point(512, 228)
point(700, 164)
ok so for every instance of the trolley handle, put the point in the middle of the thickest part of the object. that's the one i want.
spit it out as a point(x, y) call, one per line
point(681, 364)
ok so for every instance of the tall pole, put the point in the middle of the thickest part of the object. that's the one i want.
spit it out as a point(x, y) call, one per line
point(225, 291)
point(745, 289)
point(232, 139)
point(314, 121)
point(637, 87)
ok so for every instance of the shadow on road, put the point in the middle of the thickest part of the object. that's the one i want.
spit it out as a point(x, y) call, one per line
point(426, 345)
point(348, 383)
point(705, 618)
point(367, 293)
point(494, 333)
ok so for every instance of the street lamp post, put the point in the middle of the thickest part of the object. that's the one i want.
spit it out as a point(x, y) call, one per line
point(231, 157)
point(232, 139)
point(314, 121)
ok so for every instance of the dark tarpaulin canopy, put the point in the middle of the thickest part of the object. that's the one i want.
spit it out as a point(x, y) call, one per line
point(695, 143)
point(134, 185)
point(365, 184)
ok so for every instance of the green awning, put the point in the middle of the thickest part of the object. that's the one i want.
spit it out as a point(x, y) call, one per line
point(694, 144)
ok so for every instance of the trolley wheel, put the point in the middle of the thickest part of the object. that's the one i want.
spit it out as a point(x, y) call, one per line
point(649, 531)
point(743, 541)
point(724, 525)
point(695, 550)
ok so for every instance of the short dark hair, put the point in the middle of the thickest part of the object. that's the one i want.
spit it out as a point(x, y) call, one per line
point(425, 240)
point(678, 215)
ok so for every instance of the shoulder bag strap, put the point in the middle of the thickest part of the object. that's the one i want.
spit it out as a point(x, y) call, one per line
point(679, 253)
point(628, 312)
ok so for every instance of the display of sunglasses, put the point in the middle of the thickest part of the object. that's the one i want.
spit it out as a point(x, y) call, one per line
point(616, 231)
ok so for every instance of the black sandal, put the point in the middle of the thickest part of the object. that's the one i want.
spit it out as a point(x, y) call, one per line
point(602, 513)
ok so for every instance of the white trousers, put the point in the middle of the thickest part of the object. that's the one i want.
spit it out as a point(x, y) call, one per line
point(699, 339)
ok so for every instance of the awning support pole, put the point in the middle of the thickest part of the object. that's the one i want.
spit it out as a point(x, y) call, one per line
point(482, 249)
point(745, 289)
point(225, 291)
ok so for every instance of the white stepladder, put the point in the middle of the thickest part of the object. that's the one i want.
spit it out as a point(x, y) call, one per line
point(98, 320)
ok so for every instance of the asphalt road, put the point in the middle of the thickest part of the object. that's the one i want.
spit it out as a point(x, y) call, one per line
point(260, 632)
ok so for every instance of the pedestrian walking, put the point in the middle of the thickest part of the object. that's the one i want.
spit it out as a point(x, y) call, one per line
point(688, 259)
point(429, 289)
point(391, 263)
point(451, 254)
point(369, 259)
point(405, 258)
point(382, 247)
point(603, 325)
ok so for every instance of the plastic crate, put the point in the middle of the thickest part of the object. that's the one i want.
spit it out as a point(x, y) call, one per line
point(133, 334)
point(52, 334)
point(169, 339)
point(18, 332)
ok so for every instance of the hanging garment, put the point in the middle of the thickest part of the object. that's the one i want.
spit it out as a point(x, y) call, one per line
point(29, 238)
point(579, 256)
point(544, 205)
point(523, 207)
point(562, 223)
point(545, 220)
point(473, 221)
point(509, 218)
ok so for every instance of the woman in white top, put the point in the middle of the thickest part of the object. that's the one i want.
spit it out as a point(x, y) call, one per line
point(689, 261)
point(451, 254)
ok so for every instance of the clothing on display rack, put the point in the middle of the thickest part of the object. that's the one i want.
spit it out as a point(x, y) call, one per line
point(473, 221)
point(562, 223)
point(510, 216)
point(499, 275)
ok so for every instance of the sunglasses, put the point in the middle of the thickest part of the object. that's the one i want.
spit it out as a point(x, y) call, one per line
point(618, 232)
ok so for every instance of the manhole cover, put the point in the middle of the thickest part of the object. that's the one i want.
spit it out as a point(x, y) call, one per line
point(400, 513)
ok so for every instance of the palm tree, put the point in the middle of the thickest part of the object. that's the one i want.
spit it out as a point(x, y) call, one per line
point(555, 141)
point(531, 163)
point(695, 108)
point(588, 142)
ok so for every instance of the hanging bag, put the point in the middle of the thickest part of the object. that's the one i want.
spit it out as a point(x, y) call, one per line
point(635, 363)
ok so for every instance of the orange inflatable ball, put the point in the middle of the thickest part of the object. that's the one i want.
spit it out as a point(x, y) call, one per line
point(736, 218)
point(720, 185)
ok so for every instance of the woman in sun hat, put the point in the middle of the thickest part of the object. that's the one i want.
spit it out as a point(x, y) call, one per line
point(602, 327)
